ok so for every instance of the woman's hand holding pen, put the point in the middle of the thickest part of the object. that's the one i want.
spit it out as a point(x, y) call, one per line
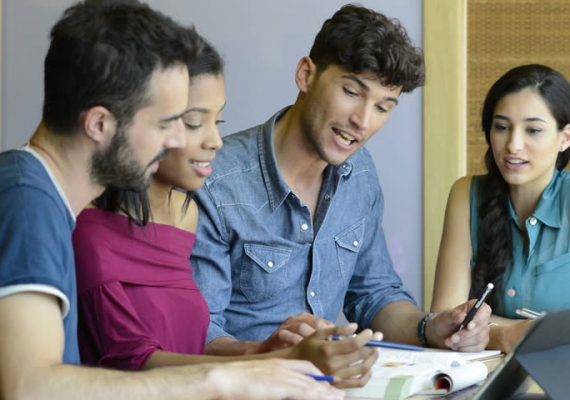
point(349, 360)
point(443, 331)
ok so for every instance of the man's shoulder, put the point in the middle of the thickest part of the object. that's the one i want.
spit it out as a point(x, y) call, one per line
point(239, 154)
point(20, 168)
point(362, 161)
point(25, 185)
point(363, 166)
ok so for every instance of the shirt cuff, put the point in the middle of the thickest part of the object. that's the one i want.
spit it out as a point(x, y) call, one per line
point(38, 288)
point(371, 313)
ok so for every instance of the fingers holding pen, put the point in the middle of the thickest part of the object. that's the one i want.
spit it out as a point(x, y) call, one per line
point(475, 335)
point(358, 373)
point(347, 358)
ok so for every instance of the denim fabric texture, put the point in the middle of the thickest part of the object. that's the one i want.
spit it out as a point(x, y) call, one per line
point(260, 257)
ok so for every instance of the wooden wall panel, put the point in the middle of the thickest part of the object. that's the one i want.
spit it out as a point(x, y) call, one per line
point(503, 34)
point(445, 97)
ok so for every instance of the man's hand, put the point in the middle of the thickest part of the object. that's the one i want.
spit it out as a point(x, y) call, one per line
point(293, 330)
point(347, 359)
point(442, 330)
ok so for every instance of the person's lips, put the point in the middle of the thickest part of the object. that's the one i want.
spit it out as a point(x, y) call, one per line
point(202, 167)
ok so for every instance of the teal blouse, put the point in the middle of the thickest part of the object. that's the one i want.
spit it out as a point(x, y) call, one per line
point(539, 277)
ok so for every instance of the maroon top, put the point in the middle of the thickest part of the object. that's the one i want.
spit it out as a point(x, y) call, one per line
point(136, 291)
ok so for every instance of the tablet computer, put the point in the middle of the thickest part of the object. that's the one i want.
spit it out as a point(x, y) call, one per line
point(543, 354)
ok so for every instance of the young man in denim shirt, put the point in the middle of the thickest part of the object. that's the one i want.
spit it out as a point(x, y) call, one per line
point(291, 218)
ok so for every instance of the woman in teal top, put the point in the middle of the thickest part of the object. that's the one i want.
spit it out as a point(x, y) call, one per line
point(511, 226)
point(541, 251)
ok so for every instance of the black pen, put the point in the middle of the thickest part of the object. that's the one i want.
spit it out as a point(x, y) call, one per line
point(476, 307)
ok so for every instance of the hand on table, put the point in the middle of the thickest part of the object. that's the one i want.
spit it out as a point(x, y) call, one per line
point(511, 335)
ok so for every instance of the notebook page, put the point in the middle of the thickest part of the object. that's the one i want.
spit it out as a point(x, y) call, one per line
point(442, 358)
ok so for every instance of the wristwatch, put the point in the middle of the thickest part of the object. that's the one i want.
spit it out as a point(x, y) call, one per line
point(422, 328)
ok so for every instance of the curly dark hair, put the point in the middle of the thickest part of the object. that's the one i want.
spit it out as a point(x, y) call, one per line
point(135, 204)
point(103, 53)
point(495, 249)
point(361, 40)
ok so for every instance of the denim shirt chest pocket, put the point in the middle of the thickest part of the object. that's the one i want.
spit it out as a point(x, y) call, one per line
point(263, 271)
point(551, 282)
point(348, 244)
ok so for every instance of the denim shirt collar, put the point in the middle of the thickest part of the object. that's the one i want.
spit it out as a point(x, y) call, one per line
point(548, 209)
point(277, 188)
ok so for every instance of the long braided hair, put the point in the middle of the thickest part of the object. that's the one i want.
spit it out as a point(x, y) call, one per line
point(495, 250)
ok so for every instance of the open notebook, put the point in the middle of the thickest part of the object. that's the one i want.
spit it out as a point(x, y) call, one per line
point(398, 374)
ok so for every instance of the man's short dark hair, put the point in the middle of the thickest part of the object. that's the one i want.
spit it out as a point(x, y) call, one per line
point(362, 40)
point(103, 53)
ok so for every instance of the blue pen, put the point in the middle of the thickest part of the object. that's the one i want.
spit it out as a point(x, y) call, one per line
point(323, 378)
point(387, 345)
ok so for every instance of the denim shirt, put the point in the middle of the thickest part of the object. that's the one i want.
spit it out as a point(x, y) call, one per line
point(259, 258)
point(540, 271)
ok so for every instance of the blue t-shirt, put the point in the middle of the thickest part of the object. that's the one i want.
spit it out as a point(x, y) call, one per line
point(36, 252)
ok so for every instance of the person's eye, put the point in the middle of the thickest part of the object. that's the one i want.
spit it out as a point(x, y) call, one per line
point(533, 131)
point(349, 92)
point(382, 110)
point(220, 121)
point(192, 126)
point(500, 127)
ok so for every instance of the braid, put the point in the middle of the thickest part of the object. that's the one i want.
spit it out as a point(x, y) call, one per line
point(495, 249)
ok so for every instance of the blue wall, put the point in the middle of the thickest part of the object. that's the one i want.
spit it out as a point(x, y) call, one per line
point(261, 41)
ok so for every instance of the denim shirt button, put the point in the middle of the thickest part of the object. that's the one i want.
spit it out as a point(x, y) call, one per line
point(270, 264)
point(511, 292)
point(327, 197)
point(304, 227)
point(355, 243)
point(312, 294)
point(532, 221)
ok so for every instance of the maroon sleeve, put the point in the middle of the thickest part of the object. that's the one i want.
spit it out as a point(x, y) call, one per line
point(116, 335)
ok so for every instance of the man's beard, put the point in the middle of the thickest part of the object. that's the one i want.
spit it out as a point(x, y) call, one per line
point(116, 166)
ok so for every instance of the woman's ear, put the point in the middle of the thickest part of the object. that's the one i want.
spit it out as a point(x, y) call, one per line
point(99, 124)
point(305, 74)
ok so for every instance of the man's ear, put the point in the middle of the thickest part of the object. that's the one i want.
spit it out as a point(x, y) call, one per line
point(565, 138)
point(305, 74)
point(99, 124)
